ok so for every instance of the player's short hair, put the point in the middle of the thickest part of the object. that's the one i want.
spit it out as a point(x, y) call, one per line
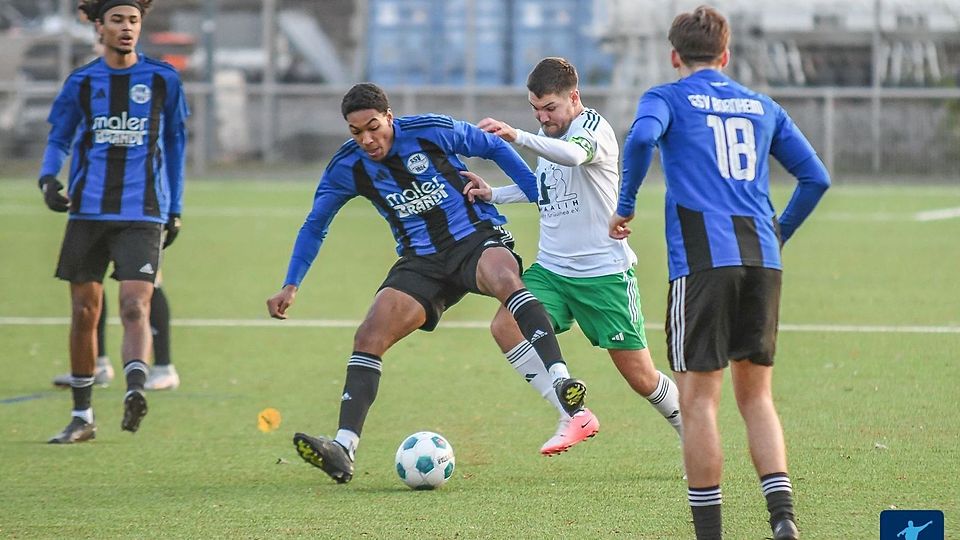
point(700, 37)
point(552, 75)
point(94, 9)
point(364, 96)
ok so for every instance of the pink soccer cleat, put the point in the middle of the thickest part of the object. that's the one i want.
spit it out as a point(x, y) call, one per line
point(571, 430)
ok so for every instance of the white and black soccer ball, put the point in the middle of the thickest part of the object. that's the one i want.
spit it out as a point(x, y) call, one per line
point(425, 460)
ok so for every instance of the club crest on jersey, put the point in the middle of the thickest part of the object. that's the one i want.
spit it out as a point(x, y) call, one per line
point(140, 93)
point(418, 163)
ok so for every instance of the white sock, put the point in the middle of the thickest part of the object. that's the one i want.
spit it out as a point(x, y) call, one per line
point(666, 400)
point(86, 415)
point(524, 359)
point(348, 440)
point(559, 371)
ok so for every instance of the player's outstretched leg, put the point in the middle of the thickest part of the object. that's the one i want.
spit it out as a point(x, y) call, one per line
point(525, 360)
point(571, 430)
point(326, 454)
point(535, 325)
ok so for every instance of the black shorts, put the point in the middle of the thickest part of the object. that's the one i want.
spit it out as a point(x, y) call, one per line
point(440, 280)
point(89, 246)
point(723, 314)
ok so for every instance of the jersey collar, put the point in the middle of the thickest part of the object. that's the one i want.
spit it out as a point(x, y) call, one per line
point(124, 70)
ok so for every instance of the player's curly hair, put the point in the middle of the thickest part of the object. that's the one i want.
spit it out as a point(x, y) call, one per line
point(94, 9)
point(364, 96)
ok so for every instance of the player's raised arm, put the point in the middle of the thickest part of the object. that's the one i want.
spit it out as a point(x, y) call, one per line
point(471, 141)
point(501, 129)
point(570, 153)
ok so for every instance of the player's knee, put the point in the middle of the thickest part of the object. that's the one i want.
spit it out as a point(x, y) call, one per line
point(134, 309)
point(698, 405)
point(499, 275)
point(367, 340)
point(85, 315)
point(754, 402)
point(643, 384)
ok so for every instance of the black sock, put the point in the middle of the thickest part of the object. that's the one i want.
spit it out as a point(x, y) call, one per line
point(359, 390)
point(160, 326)
point(82, 388)
point(136, 372)
point(102, 327)
point(779, 494)
point(705, 503)
point(535, 325)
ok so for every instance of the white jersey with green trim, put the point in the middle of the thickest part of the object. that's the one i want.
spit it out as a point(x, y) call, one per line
point(576, 204)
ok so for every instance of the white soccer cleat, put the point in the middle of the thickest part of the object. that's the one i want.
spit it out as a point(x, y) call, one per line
point(162, 378)
point(571, 430)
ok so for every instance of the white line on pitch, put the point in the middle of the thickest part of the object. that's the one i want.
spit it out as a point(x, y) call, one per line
point(345, 323)
point(935, 215)
point(297, 212)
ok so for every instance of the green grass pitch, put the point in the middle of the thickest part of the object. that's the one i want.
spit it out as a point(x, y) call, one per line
point(869, 406)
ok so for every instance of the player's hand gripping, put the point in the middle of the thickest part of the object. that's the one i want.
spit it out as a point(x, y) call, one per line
point(476, 187)
point(54, 200)
point(618, 226)
point(172, 227)
point(501, 129)
point(277, 304)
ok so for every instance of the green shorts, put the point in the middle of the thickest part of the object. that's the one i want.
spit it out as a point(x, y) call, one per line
point(607, 308)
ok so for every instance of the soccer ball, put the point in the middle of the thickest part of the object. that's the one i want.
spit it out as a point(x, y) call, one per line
point(425, 460)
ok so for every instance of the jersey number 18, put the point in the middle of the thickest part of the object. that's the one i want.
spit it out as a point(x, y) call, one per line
point(736, 147)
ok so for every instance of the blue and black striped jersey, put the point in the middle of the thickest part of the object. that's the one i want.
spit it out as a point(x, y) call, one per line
point(417, 187)
point(715, 137)
point(127, 131)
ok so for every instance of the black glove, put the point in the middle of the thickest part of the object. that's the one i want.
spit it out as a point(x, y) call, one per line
point(173, 229)
point(55, 201)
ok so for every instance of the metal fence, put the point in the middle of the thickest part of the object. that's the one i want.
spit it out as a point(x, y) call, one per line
point(894, 133)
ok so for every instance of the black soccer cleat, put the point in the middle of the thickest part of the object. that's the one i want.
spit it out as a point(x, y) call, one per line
point(571, 393)
point(329, 456)
point(785, 529)
point(78, 430)
point(134, 409)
